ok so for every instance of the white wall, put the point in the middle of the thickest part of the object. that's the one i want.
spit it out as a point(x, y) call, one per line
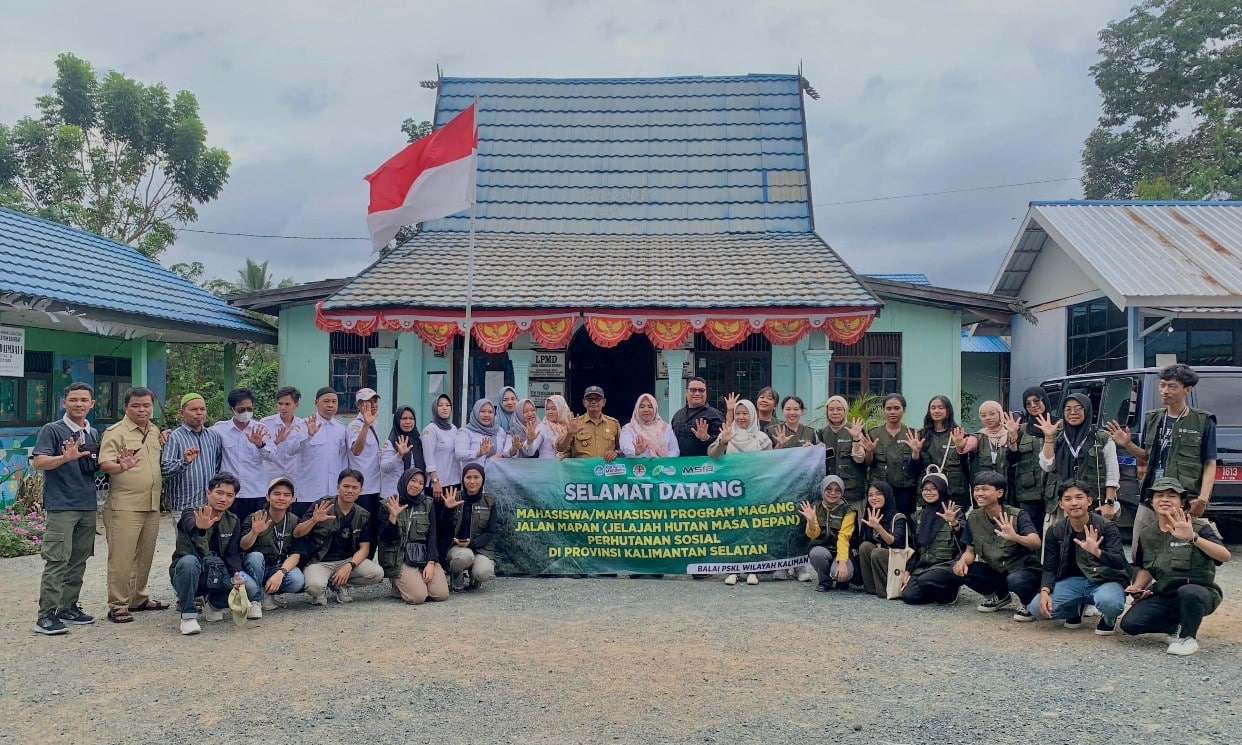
point(1038, 351)
point(1054, 277)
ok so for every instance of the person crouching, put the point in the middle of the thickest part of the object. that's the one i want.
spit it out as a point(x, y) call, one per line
point(408, 549)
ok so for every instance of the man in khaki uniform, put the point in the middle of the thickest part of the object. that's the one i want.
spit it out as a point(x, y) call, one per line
point(594, 434)
point(130, 454)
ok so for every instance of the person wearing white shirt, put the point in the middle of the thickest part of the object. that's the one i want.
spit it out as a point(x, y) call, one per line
point(647, 435)
point(543, 445)
point(440, 447)
point(286, 435)
point(371, 456)
point(245, 452)
point(323, 455)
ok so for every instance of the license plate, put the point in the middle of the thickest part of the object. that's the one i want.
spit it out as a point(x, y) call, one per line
point(1229, 473)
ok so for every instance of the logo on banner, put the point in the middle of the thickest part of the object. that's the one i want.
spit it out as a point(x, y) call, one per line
point(610, 469)
point(640, 470)
point(688, 470)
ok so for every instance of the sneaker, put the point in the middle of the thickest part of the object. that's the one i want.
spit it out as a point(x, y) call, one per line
point(1074, 622)
point(319, 599)
point(1022, 615)
point(823, 587)
point(995, 603)
point(457, 582)
point(75, 615)
point(343, 595)
point(752, 579)
point(806, 573)
point(50, 625)
point(269, 602)
point(731, 580)
point(1184, 647)
point(190, 627)
point(1172, 638)
point(255, 612)
point(780, 574)
point(1105, 627)
point(212, 613)
point(1090, 611)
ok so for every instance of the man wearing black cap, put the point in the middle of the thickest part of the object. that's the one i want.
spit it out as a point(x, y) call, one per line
point(594, 434)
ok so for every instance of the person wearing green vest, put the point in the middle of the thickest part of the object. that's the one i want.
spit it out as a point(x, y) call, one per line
point(270, 553)
point(929, 576)
point(337, 543)
point(830, 525)
point(1035, 490)
point(1175, 585)
point(1002, 549)
point(945, 445)
point(839, 438)
point(1178, 442)
point(1076, 450)
point(1084, 563)
point(792, 433)
point(207, 531)
point(892, 451)
point(408, 545)
point(993, 438)
point(466, 528)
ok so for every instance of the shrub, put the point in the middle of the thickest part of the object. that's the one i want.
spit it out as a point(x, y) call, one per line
point(21, 534)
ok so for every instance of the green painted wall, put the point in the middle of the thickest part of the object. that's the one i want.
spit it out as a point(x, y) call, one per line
point(931, 357)
point(303, 354)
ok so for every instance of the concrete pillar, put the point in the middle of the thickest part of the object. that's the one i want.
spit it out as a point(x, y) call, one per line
point(385, 359)
point(138, 362)
point(521, 359)
point(674, 359)
point(817, 360)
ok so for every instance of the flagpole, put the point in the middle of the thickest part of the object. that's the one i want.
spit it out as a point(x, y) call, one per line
point(465, 347)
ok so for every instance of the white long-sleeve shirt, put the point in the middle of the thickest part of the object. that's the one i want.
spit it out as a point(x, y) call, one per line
point(468, 442)
point(544, 444)
point(440, 452)
point(376, 462)
point(1112, 472)
point(242, 458)
point(283, 459)
point(322, 460)
point(628, 435)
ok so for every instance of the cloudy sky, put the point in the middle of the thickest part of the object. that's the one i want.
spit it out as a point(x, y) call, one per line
point(309, 96)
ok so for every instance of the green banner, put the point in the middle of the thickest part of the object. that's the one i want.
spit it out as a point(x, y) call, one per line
point(737, 513)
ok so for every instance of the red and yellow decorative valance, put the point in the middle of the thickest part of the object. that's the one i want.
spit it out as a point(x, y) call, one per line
point(495, 330)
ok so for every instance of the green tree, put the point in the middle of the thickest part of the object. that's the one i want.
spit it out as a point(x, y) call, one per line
point(1170, 76)
point(112, 156)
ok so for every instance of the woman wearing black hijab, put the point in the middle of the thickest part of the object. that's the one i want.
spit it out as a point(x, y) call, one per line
point(406, 440)
point(409, 550)
point(466, 522)
point(883, 528)
point(1035, 490)
point(929, 576)
point(1077, 449)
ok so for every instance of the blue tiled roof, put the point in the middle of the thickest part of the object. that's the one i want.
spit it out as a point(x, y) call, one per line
point(44, 259)
point(653, 156)
point(913, 279)
point(980, 343)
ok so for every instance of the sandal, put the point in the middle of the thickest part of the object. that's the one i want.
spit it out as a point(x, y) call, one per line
point(119, 615)
point(149, 605)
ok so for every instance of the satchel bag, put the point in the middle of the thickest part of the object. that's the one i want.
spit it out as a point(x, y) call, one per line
point(415, 551)
point(216, 577)
point(897, 558)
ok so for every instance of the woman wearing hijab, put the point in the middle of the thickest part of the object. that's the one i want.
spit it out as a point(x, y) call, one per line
point(481, 439)
point(883, 528)
point(466, 523)
point(947, 446)
point(440, 447)
point(839, 437)
point(647, 435)
point(407, 443)
point(1078, 450)
point(408, 547)
point(929, 576)
point(543, 443)
point(508, 414)
point(993, 438)
point(1034, 488)
point(527, 420)
point(742, 435)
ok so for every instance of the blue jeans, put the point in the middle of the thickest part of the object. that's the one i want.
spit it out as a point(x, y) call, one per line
point(187, 577)
point(1072, 593)
point(258, 572)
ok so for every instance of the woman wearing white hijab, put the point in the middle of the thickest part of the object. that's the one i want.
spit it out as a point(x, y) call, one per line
point(742, 435)
point(647, 435)
point(542, 442)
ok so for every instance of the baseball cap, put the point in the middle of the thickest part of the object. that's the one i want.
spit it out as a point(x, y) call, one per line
point(365, 394)
point(593, 390)
point(280, 480)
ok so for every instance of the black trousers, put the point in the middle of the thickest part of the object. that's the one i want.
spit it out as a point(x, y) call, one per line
point(244, 507)
point(301, 508)
point(1163, 613)
point(936, 585)
point(986, 581)
point(371, 503)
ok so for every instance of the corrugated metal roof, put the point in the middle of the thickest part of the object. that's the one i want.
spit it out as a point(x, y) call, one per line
point(986, 344)
point(914, 279)
point(45, 259)
point(646, 156)
point(516, 270)
point(1140, 252)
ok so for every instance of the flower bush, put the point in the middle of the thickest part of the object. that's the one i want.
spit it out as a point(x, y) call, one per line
point(21, 534)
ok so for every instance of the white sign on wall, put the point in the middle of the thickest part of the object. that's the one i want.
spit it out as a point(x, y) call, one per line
point(541, 389)
point(12, 352)
point(547, 365)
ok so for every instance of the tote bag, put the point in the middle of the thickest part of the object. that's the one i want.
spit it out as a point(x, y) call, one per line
point(897, 558)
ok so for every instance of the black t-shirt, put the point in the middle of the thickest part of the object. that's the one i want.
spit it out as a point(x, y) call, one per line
point(70, 486)
point(1071, 568)
point(344, 540)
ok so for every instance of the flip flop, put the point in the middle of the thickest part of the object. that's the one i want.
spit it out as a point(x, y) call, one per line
point(119, 615)
point(149, 605)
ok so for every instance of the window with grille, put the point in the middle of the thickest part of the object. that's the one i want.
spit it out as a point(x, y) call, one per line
point(744, 369)
point(1096, 341)
point(29, 400)
point(351, 366)
point(871, 364)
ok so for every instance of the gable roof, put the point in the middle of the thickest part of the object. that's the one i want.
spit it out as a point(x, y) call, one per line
point(54, 268)
point(913, 279)
point(1138, 253)
point(648, 156)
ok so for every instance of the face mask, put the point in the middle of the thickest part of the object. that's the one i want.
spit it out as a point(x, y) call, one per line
point(244, 417)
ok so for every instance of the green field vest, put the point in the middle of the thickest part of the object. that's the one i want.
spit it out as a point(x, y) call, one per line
point(413, 525)
point(842, 464)
point(1031, 482)
point(1174, 563)
point(1003, 555)
point(1183, 462)
point(480, 514)
point(889, 459)
point(983, 460)
point(944, 546)
point(939, 449)
point(830, 524)
point(1091, 467)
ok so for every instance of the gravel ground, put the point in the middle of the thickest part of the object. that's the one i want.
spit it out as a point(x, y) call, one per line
point(607, 660)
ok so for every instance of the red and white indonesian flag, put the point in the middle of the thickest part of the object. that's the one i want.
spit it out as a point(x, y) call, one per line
point(431, 178)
